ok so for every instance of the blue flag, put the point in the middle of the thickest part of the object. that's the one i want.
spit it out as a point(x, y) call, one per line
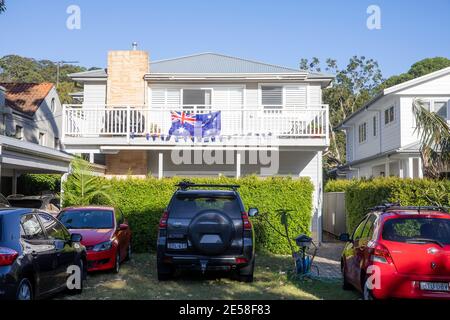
point(187, 124)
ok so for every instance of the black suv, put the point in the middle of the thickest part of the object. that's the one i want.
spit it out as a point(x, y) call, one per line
point(205, 229)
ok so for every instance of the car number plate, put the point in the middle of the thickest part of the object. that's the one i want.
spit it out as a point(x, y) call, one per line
point(435, 286)
point(177, 245)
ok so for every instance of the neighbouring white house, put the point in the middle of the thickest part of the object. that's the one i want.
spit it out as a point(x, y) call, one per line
point(30, 132)
point(382, 139)
point(200, 115)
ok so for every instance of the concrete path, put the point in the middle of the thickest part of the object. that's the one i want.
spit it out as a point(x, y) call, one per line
point(327, 262)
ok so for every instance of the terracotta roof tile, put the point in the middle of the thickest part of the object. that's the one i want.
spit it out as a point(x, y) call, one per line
point(26, 97)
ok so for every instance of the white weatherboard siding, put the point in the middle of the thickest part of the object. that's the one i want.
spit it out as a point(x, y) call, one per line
point(315, 95)
point(94, 93)
point(434, 87)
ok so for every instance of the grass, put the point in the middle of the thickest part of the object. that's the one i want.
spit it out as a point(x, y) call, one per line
point(137, 280)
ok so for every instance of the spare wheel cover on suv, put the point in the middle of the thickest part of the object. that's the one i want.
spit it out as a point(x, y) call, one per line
point(211, 232)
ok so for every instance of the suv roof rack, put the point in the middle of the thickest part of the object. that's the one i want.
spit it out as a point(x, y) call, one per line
point(396, 206)
point(184, 185)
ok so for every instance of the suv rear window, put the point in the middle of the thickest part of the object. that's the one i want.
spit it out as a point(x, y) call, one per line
point(417, 230)
point(187, 206)
point(26, 203)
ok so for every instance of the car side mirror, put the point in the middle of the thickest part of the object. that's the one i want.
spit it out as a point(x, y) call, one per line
point(76, 237)
point(253, 212)
point(344, 237)
point(123, 227)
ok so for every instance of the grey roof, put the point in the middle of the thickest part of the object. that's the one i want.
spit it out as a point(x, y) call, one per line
point(98, 73)
point(215, 63)
point(209, 63)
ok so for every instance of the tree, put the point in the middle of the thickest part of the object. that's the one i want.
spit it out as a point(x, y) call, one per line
point(434, 133)
point(353, 86)
point(15, 68)
point(418, 69)
point(2, 6)
point(82, 187)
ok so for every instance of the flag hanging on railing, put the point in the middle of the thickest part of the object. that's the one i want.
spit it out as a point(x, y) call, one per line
point(188, 124)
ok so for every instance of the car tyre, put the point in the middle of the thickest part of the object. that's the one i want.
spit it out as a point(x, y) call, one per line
point(367, 293)
point(345, 284)
point(165, 272)
point(246, 274)
point(83, 272)
point(116, 268)
point(24, 290)
point(129, 253)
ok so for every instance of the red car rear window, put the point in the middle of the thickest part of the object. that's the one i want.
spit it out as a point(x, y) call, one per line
point(417, 230)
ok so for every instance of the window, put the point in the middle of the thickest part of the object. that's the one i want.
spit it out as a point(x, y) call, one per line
point(42, 138)
point(87, 219)
point(119, 217)
point(389, 115)
point(54, 229)
point(417, 230)
point(272, 96)
point(441, 109)
point(375, 126)
point(19, 133)
point(202, 97)
point(31, 228)
point(369, 227)
point(52, 105)
point(359, 230)
point(363, 132)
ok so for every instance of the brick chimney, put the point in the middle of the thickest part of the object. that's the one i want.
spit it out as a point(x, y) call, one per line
point(126, 70)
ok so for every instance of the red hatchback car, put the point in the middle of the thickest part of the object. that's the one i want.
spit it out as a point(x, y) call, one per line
point(399, 252)
point(106, 235)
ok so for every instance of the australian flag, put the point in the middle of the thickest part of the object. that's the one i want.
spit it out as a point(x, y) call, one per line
point(188, 124)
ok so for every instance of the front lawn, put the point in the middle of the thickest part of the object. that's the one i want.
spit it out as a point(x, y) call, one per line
point(137, 280)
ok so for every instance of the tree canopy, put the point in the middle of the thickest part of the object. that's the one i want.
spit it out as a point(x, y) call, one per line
point(14, 68)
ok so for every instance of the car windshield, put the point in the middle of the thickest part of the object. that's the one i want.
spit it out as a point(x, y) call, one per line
point(187, 206)
point(26, 203)
point(87, 219)
point(417, 230)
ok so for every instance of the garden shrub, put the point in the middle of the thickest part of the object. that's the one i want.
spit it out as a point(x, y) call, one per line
point(34, 184)
point(144, 200)
point(361, 195)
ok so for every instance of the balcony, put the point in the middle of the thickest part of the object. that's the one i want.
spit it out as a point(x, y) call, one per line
point(188, 125)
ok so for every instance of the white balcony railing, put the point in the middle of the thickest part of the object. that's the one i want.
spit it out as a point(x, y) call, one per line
point(132, 122)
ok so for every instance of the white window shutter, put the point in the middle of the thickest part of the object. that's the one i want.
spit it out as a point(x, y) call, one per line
point(158, 96)
point(295, 96)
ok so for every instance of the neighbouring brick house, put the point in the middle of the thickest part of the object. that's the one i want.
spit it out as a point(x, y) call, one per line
point(140, 117)
point(30, 132)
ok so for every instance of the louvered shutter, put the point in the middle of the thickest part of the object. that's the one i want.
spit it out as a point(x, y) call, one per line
point(295, 96)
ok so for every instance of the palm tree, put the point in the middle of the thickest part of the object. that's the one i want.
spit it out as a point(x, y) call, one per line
point(434, 133)
point(82, 187)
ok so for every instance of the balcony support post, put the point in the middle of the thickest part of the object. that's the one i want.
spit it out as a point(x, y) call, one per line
point(160, 165)
point(127, 129)
point(238, 165)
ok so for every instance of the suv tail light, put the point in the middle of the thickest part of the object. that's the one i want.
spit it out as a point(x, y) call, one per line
point(379, 253)
point(7, 256)
point(163, 221)
point(246, 221)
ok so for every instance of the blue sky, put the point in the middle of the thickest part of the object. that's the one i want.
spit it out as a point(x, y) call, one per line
point(279, 32)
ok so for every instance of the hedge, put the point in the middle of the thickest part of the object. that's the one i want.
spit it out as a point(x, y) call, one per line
point(360, 195)
point(34, 184)
point(144, 200)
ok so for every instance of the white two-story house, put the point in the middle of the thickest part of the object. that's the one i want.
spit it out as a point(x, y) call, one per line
point(382, 139)
point(30, 132)
point(200, 115)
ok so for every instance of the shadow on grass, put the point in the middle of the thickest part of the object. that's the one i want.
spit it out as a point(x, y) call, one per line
point(273, 281)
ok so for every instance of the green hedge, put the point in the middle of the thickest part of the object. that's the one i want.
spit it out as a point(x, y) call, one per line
point(34, 184)
point(360, 195)
point(143, 201)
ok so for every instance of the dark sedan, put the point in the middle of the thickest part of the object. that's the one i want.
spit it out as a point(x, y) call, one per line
point(36, 251)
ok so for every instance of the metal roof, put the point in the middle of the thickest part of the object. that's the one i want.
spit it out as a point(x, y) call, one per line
point(215, 63)
point(209, 63)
